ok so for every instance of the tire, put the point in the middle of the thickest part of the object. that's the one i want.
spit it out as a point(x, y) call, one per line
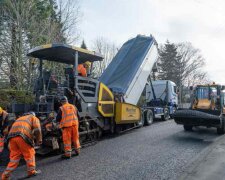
point(188, 128)
point(166, 115)
point(172, 115)
point(194, 114)
point(148, 117)
point(142, 121)
point(221, 130)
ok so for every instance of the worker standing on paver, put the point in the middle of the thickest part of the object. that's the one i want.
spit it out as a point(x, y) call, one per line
point(3, 127)
point(83, 68)
point(21, 144)
point(68, 119)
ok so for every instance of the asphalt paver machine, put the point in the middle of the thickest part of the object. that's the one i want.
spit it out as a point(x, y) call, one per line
point(101, 108)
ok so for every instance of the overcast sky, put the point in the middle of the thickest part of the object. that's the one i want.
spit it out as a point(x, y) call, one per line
point(201, 22)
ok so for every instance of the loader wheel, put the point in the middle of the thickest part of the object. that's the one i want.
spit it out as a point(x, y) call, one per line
point(166, 115)
point(188, 127)
point(148, 117)
point(221, 130)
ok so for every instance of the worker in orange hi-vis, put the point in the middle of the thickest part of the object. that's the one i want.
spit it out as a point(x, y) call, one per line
point(21, 144)
point(68, 119)
point(3, 127)
point(83, 68)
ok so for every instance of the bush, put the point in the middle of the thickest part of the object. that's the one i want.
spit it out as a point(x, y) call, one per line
point(8, 96)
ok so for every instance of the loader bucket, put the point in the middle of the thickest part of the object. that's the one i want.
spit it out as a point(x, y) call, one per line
point(196, 118)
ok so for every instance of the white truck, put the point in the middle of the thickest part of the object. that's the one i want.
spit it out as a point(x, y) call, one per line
point(161, 97)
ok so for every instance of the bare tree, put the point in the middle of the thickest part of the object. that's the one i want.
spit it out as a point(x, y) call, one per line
point(193, 63)
point(69, 15)
point(108, 50)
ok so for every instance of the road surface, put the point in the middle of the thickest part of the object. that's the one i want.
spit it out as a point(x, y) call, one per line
point(160, 151)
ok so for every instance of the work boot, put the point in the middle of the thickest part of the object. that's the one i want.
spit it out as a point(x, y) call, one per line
point(65, 157)
point(77, 152)
point(35, 173)
point(5, 177)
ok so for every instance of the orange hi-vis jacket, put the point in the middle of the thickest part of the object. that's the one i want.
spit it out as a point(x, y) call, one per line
point(3, 130)
point(82, 70)
point(26, 127)
point(69, 115)
point(3, 122)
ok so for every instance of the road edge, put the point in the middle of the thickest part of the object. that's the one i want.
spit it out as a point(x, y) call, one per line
point(199, 158)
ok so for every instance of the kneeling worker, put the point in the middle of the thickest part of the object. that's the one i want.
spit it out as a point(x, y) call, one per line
point(67, 117)
point(21, 143)
point(3, 127)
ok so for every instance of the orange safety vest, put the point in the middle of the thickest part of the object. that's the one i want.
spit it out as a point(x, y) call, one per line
point(24, 127)
point(4, 115)
point(69, 115)
point(82, 70)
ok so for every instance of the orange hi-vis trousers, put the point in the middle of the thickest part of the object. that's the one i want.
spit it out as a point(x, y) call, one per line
point(70, 136)
point(18, 148)
point(1, 144)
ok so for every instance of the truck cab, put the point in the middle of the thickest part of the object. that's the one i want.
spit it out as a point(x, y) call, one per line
point(161, 97)
point(165, 90)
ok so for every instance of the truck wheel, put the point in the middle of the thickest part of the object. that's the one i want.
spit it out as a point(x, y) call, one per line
point(166, 115)
point(142, 121)
point(188, 127)
point(148, 117)
point(221, 130)
point(172, 115)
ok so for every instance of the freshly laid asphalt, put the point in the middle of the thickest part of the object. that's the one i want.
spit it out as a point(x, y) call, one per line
point(160, 151)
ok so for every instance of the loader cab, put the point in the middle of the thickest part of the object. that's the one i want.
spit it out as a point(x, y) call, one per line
point(207, 97)
point(164, 90)
point(223, 101)
point(50, 86)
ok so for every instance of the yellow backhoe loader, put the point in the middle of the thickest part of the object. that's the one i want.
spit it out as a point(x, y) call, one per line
point(207, 108)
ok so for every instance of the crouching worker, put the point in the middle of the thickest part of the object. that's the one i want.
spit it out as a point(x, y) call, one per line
point(67, 117)
point(3, 127)
point(21, 144)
